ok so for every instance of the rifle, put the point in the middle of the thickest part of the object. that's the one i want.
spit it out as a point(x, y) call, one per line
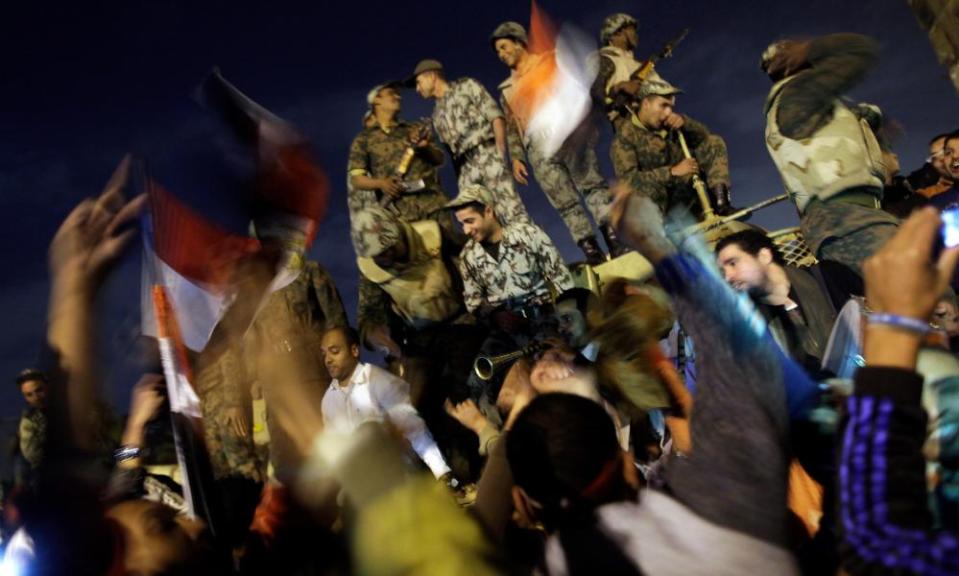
point(420, 130)
point(622, 100)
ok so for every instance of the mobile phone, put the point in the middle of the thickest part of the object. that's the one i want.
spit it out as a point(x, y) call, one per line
point(950, 227)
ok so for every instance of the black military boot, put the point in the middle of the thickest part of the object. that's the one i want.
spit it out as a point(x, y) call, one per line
point(590, 247)
point(612, 242)
point(722, 200)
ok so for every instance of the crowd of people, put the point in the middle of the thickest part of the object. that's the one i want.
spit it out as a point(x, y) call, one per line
point(730, 413)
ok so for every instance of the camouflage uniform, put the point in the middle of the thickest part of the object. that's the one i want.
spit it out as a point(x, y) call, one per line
point(527, 264)
point(308, 306)
point(33, 436)
point(643, 158)
point(615, 66)
point(377, 153)
point(463, 118)
point(219, 384)
point(844, 224)
point(570, 173)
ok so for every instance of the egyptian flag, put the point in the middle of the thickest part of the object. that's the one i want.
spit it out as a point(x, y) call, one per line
point(272, 182)
point(554, 97)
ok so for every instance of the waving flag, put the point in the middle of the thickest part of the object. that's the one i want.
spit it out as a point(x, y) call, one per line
point(554, 97)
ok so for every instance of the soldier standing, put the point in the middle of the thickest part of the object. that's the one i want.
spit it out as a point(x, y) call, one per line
point(829, 159)
point(647, 155)
point(569, 174)
point(469, 122)
point(398, 161)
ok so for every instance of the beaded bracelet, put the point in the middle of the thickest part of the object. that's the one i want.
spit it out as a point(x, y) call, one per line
point(902, 322)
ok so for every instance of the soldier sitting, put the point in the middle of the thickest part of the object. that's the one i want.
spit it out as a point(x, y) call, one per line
point(648, 156)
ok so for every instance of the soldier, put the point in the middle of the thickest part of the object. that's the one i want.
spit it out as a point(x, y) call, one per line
point(507, 274)
point(32, 430)
point(411, 308)
point(829, 159)
point(398, 161)
point(568, 175)
point(617, 81)
point(304, 296)
point(647, 154)
point(471, 125)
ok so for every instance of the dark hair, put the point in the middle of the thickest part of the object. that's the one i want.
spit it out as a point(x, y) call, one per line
point(558, 448)
point(952, 136)
point(30, 374)
point(751, 242)
point(583, 297)
point(945, 135)
point(349, 333)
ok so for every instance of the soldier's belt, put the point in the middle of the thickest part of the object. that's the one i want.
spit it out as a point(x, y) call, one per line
point(858, 197)
point(473, 150)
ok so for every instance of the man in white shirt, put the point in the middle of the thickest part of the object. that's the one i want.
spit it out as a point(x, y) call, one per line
point(362, 393)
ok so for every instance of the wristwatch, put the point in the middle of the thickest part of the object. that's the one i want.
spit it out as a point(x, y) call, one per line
point(127, 452)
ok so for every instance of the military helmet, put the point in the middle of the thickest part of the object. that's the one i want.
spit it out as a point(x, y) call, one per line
point(613, 24)
point(511, 30)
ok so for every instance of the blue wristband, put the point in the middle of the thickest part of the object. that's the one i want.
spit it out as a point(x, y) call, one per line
point(902, 322)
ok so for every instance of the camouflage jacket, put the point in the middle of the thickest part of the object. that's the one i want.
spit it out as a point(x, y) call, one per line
point(309, 305)
point(837, 63)
point(527, 264)
point(33, 436)
point(464, 116)
point(377, 153)
point(643, 158)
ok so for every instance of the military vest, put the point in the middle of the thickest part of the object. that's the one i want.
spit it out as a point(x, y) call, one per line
point(841, 155)
point(422, 293)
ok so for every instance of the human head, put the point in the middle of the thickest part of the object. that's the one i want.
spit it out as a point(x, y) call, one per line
point(427, 74)
point(564, 455)
point(340, 347)
point(473, 209)
point(158, 540)
point(509, 41)
point(384, 98)
point(946, 316)
point(572, 311)
point(33, 385)
point(936, 158)
point(620, 30)
point(950, 152)
point(657, 99)
point(746, 258)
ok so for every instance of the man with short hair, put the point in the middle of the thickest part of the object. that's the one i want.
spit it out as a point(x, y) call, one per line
point(469, 122)
point(361, 392)
point(32, 430)
point(572, 172)
point(572, 310)
point(829, 158)
point(937, 160)
point(398, 160)
point(800, 304)
point(507, 273)
point(648, 156)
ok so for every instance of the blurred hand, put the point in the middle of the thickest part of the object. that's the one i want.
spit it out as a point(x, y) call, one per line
point(380, 339)
point(639, 223)
point(420, 137)
point(516, 392)
point(238, 421)
point(146, 400)
point(674, 121)
point(519, 172)
point(685, 168)
point(93, 236)
point(467, 413)
point(901, 278)
point(391, 186)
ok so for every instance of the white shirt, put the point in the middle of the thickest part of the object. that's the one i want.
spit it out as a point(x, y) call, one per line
point(373, 394)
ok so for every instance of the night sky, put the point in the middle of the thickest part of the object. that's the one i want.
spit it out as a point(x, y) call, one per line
point(84, 82)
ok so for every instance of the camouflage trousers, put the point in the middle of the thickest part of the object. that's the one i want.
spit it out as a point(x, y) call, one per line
point(844, 232)
point(485, 166)
point(568, 176)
